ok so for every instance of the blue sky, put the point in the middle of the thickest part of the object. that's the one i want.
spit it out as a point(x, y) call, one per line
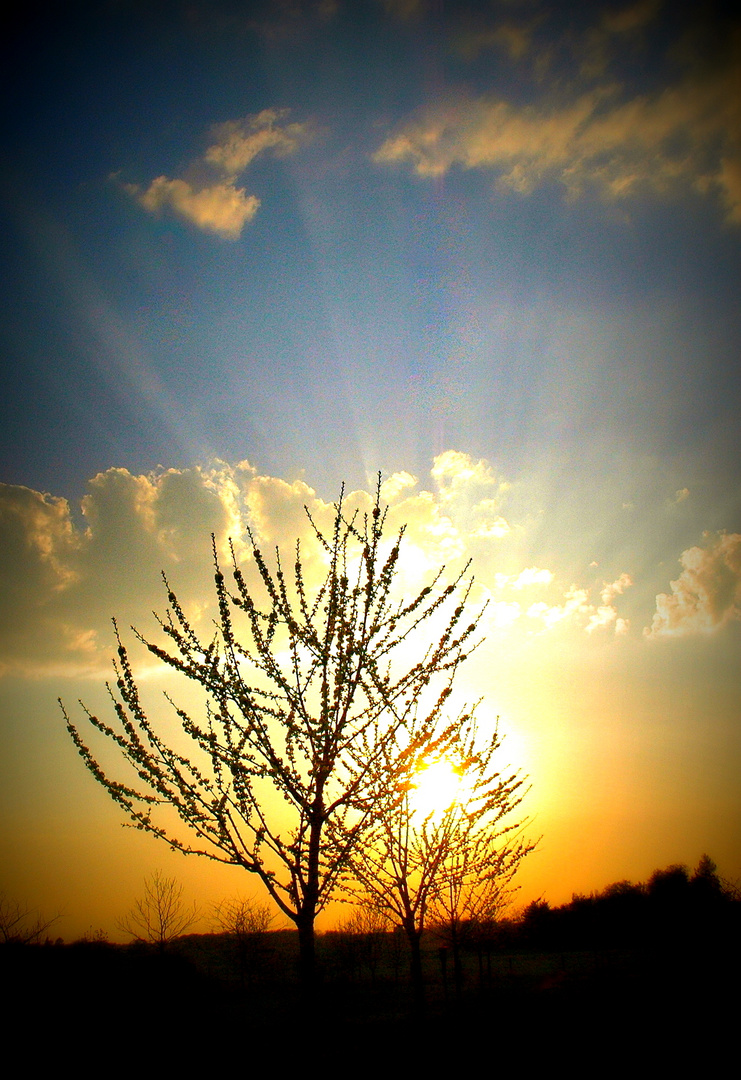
point(491, 248)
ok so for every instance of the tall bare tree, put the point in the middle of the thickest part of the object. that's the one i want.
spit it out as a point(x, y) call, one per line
point(315, 696)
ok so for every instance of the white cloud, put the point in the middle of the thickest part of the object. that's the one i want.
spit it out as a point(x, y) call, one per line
point(472, 494)
point(533, 575)
point(616, 588)
point(502, 613)
point(680, 496)
point(707, 594)
point(397, 483)
point(575, 605)
point(60, 581)
point(576, 602)
point(213, 202)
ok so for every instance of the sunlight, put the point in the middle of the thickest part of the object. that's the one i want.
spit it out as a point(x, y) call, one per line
point(439, 784)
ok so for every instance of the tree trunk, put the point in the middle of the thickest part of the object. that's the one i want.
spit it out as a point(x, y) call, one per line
point(307, 911)
point(307, 955)
point(418, 986)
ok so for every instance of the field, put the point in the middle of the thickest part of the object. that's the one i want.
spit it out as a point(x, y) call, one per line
point(203, 1000)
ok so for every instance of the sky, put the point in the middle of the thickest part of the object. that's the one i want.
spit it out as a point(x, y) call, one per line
point(254, 251)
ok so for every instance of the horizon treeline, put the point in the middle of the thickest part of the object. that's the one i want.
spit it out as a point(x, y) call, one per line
point(673, 900)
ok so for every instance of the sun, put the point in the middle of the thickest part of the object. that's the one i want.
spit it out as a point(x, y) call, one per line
point(436, 787)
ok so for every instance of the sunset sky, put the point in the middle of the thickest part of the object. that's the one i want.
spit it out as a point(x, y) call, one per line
point(491, 250)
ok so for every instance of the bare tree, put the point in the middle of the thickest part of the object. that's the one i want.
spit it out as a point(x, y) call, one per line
point(247, 923)
point(159, 915)
point(241, 917)
point(360, 938)
point(475, 888)
point(450, 862)
point(20, 924)
point(311, 695)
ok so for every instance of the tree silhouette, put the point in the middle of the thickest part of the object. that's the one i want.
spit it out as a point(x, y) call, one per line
point(319, 696)
point(454, 862)
point(159, 915)
point(20, 925)
point(247, 923)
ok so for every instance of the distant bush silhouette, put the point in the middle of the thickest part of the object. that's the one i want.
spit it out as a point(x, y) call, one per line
point(673, 910)
point(358, 942)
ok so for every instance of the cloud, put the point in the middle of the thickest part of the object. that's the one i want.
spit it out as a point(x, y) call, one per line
point(396, 484)
point(514, 39)
point(220, 208)
point(630, 18)
point(707, 594)
point(533, 575)
point(575, 605)
point(556, 605)
point(405, 10)
point(60, 583)
point(602, 138)
point(207, 196)
point(238, 142)
point(471, 491)
point(616, 588)
point(64, 576)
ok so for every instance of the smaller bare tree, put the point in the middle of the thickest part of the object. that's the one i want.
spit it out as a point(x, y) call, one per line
point(160, 915)
point(450, 861)
point(361, 937)
point(247, 923)
point(20, 924)
point(474, 891)
point(242, 917)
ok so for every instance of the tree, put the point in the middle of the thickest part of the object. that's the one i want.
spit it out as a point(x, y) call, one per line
point(160, 915)
point(310, 695)
point(247, 923)
point(705, 881)
point(475, 885)
point(20, 925)
point(455, 861)
point(359, 940)
point(243, 918)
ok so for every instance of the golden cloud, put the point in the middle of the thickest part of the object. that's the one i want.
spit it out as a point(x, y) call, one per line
point(239, 142)
point(61, 582)
point(215, 204)
point(690, 133)
point(219, 208)
point(707, 594)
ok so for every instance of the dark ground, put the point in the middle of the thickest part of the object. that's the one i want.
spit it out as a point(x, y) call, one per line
point(200, 1004)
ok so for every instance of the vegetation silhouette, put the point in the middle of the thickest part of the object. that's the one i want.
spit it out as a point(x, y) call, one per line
point(674, 913)
point(159, 916)
point(454, 861)
point(578, 987)
point(321, 697)
point(20, 924)
point(248, 924)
